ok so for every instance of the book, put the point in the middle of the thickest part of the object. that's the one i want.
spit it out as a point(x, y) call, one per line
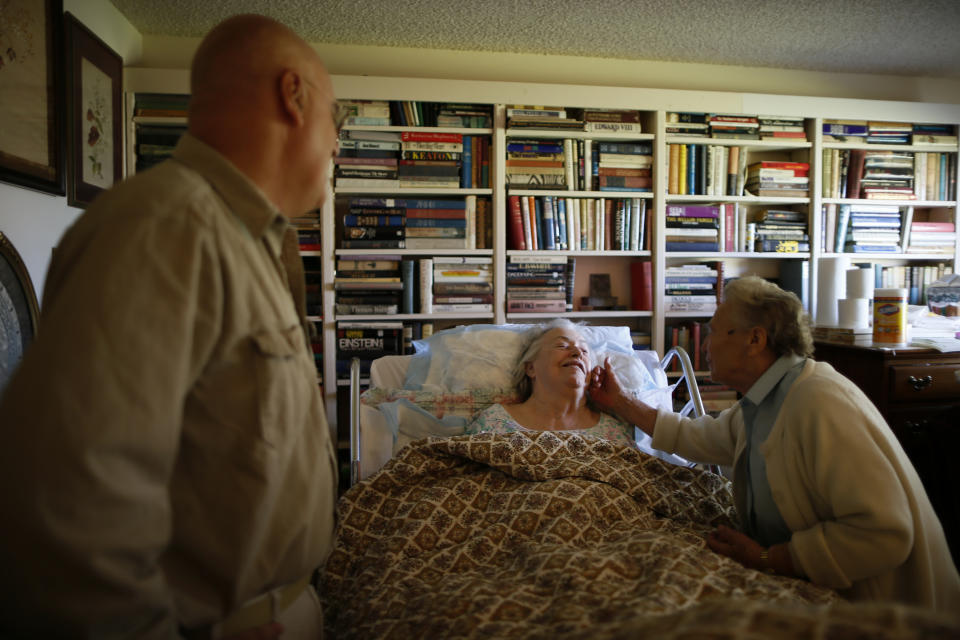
point(426, 285)
point(410, 281)
point(641, 285)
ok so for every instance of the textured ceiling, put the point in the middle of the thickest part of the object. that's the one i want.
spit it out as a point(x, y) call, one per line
point(898, 37)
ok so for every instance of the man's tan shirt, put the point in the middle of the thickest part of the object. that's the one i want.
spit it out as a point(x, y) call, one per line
point(166, 455)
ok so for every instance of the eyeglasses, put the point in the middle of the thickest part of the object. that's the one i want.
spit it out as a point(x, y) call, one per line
point(707, 331)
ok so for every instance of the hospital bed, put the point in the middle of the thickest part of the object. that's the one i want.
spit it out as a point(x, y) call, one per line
point(391, 372)
point(540, 534)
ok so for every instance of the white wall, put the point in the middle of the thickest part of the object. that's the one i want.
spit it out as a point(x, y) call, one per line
point(175, 53)
point(35, 221)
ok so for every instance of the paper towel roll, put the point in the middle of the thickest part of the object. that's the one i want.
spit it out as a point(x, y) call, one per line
point(853, 313)
point(831, 286)
point(860, 283)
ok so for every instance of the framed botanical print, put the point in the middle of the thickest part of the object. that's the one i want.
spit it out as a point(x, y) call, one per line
point(31, 94)
point(18, 310)
point(94, 116)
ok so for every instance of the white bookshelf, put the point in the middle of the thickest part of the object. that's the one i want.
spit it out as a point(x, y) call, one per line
point(654, 103)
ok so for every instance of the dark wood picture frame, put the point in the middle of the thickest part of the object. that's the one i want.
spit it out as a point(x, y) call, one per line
point(94, 114)
point(19, 310)
point(32, 154)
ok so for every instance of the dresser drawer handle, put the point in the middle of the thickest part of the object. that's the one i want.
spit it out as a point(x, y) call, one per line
point(919, 384)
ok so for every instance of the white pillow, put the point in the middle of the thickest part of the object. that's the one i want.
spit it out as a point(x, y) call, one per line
point(484, 355)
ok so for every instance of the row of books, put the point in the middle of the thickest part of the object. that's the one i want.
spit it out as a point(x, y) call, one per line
point(731, 227)
point(880, 228)
point(914, 278)
point(883, 132)
point(886, 175)
point(384, 284)
point(415, 223)
point(689, 336)
point(540, 284)
point(419, 159)
point(710, 170)
point(735, 126)
point(577, 224)
point(570, 119)
point(585, 165)
point(417, 113)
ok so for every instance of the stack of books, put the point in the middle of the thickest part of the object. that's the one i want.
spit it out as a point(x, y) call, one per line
point(430, 160)
point(536, 164)
point(442, 224)
point(366, 112)
point(881, 132)
point(368, 284)
point(462, 284)
point(160, 105)
point(156, 142)
point(688, 124)
point(416, 223)
point(366, 341)
point(373, 223)
point(868, 228)
point(738, 127)
point(935, 134)
point(691, 287)
point(536, 284)
point(625, 166)
point(770, 178)
point(692, 227)
point(611, 120)
point(538, 117)
point(929, 231)
point(887, 175)
point(367, 159)
point(835, 130)
point(782, 128)
point(781, 231)
point(309, 239)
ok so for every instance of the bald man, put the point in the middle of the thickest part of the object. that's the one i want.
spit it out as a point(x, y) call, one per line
point(167, 469)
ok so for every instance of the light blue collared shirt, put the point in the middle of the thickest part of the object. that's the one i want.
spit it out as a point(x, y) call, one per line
point(761, 406)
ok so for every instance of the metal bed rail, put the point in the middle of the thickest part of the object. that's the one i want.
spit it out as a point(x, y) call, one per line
point(354, 421)
point(695, 403)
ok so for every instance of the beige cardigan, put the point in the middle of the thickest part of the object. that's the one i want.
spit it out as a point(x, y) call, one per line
point(861, 520)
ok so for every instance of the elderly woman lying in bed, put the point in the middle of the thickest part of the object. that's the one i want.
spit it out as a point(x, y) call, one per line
point(551, 379)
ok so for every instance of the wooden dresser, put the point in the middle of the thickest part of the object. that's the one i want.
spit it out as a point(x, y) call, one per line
point(918, 392)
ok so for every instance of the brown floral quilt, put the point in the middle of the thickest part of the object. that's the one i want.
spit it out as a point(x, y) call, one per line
point(553, 535)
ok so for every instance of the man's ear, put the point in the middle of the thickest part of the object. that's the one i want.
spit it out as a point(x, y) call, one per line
point(293, 96)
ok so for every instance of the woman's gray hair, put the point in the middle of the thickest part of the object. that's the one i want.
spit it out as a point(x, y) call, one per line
point(755, 302)
point(534, 343)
